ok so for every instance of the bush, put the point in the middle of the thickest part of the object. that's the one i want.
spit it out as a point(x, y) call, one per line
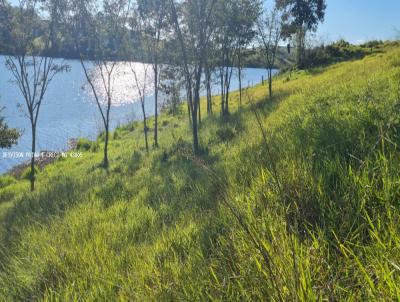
point(102, 136)
point(27, 173)
point(128, 127)
point(116, 134)
point(95, 147)
point(372, 44)
point(84, 144)
point(6, 180)
point(335, 52)
point(135, 161)
point(225, 134)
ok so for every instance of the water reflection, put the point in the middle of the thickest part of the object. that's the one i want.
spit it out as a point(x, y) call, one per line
point(69, 109)
point(126, 80)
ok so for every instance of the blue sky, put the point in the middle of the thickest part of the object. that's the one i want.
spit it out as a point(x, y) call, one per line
point(358, 20)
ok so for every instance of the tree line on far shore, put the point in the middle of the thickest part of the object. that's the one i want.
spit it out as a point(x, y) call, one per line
point(202, 41)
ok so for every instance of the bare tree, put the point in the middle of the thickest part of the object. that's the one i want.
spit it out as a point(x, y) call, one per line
point(30, 66)
point(108, 22)
point(270, 34)
point(141, 77)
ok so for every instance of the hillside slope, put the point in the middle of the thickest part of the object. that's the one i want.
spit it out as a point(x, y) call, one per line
point(295, 198)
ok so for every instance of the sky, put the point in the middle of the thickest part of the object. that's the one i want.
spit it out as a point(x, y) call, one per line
point(357, 21)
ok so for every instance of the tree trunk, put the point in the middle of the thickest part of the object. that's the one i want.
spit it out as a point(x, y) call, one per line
point(209, 96)
point(196, 107)
point(195, 130)
point(240, 77)
point(188, 106)
point(156, 104)
point(227, 85)
point(32, 178)
point(300, 47)
point(107, 127)
point(227, 100)
point(105, 161)
point(195, 126)
point(222, 94)
point(145, 127)
point(270, 83)
point(209, 101)
point(199, 113)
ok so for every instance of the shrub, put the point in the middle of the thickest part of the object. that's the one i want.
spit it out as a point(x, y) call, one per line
point(102, 136)
point(27, 173)
point(225, 134)
point(335, 52)
point(84, 144)
point(95, 147)
point(116, 134)
point(135, 161)
point(6, 180)
point(129, 127)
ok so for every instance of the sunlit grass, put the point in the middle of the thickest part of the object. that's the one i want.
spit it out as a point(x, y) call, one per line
point(320, 196)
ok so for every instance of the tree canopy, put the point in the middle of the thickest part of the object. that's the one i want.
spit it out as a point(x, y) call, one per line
point(8, 136)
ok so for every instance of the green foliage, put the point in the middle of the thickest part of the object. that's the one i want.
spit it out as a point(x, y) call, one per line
point(116, 134)
point(27, 174)
point(6, 180)
point(8, 136)
point(333, 53)
point(134, 162)
point(84, 144)
point(305, 210)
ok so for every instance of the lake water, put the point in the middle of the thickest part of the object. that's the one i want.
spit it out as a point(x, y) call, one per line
point(69, 110)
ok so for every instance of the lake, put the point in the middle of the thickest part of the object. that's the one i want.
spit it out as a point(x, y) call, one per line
point(69, 110)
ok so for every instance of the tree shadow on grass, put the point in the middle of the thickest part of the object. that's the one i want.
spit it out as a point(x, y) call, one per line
point(177, 184)
point(41, 206)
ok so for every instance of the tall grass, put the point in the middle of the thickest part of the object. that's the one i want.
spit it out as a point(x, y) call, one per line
point(293, 199)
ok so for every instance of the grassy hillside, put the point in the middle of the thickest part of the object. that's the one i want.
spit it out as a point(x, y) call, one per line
point(295, 198)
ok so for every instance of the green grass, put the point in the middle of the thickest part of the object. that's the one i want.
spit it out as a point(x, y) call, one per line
point(308, 211)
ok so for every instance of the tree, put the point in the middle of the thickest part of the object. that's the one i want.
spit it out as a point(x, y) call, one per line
point(270, 33)
point(152, 14)
point(249, 12)
point(5, 38)
point(209, 70)
point(303, 16)
point(225, 38)
point(193, 28)
point(8, 136)
point(30, 66)
point(57, 9)
point(108, 22)
point(235, 21)
point(172, 86)
point(141, 77)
